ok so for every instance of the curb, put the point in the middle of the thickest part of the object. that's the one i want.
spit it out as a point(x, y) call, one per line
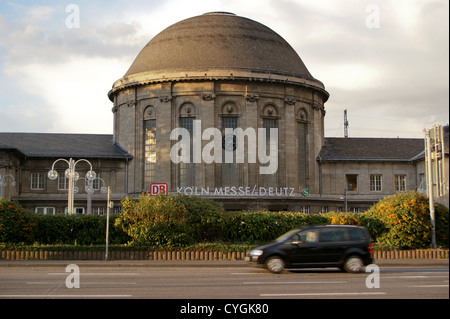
point(141, 255)
point(197, 263)
point(124, 263)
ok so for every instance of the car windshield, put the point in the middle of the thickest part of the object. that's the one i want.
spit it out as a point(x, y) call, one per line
point(286, 235)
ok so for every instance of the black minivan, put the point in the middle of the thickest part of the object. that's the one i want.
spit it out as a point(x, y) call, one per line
point(344, 246)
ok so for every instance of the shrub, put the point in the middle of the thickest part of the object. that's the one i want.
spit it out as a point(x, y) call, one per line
point(204, 216)
point(169, 221)
point(343, 218)
point(16, 223)
point(404, 222)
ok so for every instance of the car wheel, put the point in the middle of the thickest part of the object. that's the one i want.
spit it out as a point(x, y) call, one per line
point(275, 264)
point(353, 264)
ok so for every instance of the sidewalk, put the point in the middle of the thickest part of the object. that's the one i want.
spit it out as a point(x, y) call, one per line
point(198, 263)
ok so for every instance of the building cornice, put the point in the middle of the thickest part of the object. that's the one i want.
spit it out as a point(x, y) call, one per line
point(146, 78)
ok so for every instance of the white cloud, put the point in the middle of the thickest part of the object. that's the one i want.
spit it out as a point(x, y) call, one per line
point(394, 77)
point(76, 91)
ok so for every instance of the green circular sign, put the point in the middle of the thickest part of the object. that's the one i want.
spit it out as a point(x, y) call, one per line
point(305, 192)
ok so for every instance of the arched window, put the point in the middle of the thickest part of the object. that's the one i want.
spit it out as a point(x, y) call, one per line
point(187, 170)
point(230, 171)
point(302, 148)
point(270, 121)
point(150, 144)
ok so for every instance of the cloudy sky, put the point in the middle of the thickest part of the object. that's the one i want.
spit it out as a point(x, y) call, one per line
point(386, 62)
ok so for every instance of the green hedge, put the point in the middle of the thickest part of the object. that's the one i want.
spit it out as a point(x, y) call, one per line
point(76, 230)
point(18, 225)
point(255, 226)
point(400, 221)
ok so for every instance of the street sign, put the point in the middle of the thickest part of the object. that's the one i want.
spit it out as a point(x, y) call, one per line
point(305, 192)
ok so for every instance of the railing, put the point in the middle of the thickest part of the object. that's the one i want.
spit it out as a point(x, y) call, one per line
point(188, 255)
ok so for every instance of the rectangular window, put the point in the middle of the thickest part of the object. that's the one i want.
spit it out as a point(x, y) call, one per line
point(375, 183)
point(96, 182)
point(230, 171)
point(63, 181)
point(400, 183)
point(302, 154)
point(229, 122)
point(270, 180)
point(187, 170)
point(37, 180)
point(352, 182)
point(98, 210)
point(268, 124)
point(422, 184)
point(79, 210)
point(304, 209)
point(76, 210)
point(150, 152)
point(45, 210)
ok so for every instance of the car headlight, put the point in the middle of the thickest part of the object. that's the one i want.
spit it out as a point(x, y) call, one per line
point(256, 252)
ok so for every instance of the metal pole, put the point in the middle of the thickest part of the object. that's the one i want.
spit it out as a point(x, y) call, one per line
point(442, 160)
point(429, 175)
point(107, 221)
point(89, 196)
point(345, 124)
point(71, 187)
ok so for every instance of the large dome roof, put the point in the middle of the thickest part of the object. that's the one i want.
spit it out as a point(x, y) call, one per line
point(219, 40)
point(217, 45)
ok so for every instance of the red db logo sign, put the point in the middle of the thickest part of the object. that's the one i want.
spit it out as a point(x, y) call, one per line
point(158, 188)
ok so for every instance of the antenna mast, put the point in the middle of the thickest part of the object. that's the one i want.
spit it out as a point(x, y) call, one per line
point(345, 124)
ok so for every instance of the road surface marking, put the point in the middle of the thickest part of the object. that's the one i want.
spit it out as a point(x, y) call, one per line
point(291, 282)
point(84, 283)
point(97, 274)
point(324, 294)
point(429, 286)
point(65, 296)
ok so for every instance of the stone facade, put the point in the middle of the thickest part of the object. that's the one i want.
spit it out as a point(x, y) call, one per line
point(292, 107)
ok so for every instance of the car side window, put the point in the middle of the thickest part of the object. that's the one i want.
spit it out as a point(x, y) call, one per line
point(309, 236)
point(356, 234)
point(328, 235)
point(295, 238)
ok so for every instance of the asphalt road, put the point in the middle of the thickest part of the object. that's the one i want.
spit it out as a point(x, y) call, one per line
point(191, 280)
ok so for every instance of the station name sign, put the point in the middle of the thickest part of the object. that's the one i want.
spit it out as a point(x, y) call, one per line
point(232, 191)
point(237, 191)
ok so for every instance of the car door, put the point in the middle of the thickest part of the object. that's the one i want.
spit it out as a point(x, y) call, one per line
point(332, 244)
point(303, 247)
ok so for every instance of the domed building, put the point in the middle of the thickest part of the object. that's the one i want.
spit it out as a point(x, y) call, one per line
point(218, 106)
point(210, 78)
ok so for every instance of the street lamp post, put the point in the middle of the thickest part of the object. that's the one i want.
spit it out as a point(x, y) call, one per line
point(73, 176)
